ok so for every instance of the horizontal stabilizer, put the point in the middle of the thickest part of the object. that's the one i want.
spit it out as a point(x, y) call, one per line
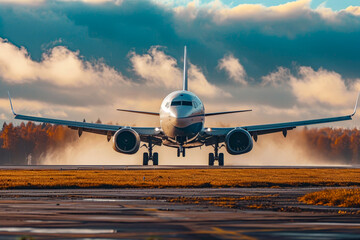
point(221, 113)
point(141, 112)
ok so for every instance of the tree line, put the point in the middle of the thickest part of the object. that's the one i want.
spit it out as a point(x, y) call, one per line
point(26, 143)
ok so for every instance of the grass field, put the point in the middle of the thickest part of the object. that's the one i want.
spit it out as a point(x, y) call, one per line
point(334, 197)
point(160, 178)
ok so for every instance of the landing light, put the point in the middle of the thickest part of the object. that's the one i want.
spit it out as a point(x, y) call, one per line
point(208, 129)
point(157, 129)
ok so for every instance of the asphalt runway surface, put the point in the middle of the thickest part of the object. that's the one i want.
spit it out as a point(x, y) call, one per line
point(150, 214)
point(165, 167)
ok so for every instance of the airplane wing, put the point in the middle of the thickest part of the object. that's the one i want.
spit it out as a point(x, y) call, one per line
point(256, 130)
point(104, 129)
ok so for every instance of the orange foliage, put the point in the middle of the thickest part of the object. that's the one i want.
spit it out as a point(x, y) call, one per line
point(333, 144)
point(18, 142)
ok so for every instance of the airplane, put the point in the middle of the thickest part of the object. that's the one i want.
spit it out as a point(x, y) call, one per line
point(182, 118)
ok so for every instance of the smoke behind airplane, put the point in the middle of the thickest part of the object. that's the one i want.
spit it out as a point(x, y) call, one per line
point(57, 145)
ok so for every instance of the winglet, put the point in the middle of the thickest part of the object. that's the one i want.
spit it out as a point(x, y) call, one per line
point(12, 109)
point(356, 104)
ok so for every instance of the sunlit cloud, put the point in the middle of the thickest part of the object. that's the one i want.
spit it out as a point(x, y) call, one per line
point(322, 86)
point(59, 66)
point(353, 9)
point(314, 87)
point(161, 70)
point(233, 68)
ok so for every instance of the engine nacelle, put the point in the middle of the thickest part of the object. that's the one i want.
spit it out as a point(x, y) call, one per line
point(126, 140)
point(238, 141)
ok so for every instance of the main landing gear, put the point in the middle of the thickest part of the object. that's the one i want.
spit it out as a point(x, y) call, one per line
point(216, 156)
point(154, 157)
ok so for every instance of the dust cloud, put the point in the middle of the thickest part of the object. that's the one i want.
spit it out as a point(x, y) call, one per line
point(270, 150)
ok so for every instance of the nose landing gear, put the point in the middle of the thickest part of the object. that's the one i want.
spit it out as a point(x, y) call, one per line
point(216, 156)
point(181, 150)
point(147, 156)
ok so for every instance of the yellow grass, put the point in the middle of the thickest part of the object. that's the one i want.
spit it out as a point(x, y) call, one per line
point(10, 179)
point(334, 197)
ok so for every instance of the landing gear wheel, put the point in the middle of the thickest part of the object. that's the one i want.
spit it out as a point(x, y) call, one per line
point(178, 152)
point(145, 159)
point(183, 152)
point(155, 159)
point(221, 159)
point(211, 159)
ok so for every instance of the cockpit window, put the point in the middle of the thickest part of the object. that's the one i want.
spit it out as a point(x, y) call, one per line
point(167, 104)
point(181, 103)
point(175, 103)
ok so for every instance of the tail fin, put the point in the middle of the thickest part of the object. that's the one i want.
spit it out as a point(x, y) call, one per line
point(185, 79)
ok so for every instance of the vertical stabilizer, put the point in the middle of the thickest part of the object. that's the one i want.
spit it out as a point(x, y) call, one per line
point(185, 80)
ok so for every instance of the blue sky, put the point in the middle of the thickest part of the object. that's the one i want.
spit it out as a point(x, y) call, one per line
point(75, 59)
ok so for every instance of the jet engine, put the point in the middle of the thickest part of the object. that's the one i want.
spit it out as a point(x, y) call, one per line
point(126, 140)
point(238, 141)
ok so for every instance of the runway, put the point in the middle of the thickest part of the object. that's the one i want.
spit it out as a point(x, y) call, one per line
point(260, 213)
point(165, 167)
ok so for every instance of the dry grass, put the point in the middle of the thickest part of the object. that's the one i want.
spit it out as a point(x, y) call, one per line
point(334, 197)
point(11, 179)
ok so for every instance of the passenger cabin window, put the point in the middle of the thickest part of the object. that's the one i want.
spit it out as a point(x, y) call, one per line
point(181, 103)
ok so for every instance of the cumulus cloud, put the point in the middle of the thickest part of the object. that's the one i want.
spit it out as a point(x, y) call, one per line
point(59, 66)
point(233, 68)
point(199, 84)
point(157, 68)
point(314, 87)
point(260, 12)
point(22, 1)
point(353, 9)
point(277, 78)
point(117, 2)
point(160, 69)
point(322, 86)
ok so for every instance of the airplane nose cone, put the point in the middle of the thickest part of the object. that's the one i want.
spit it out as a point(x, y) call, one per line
point(180, 116)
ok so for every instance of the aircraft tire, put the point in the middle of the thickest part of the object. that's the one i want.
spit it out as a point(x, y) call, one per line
point(155, 159)
point(178, 152)
point(145, 159)
point(221, 159)
point(211, 159)
point(183, 153)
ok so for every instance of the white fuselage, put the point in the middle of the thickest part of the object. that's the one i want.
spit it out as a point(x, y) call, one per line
point(182, 116)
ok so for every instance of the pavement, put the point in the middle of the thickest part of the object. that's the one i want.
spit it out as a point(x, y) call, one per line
point(151, 214)
point(165, 167)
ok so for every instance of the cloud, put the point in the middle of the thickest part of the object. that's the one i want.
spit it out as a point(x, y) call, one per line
point(199, 84)
point(261, 13)
point(322, 86)
point(59, 67)
point(314, 87)
point(27, 2)
point(277, 78)
point(233, 68)
point(159, 69)
point(353, 9)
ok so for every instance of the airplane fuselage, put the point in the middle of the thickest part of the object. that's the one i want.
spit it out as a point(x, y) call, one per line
point(182, 116)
